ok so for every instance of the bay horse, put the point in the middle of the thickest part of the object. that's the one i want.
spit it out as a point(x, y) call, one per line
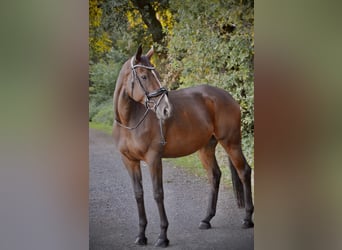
point(152, 123)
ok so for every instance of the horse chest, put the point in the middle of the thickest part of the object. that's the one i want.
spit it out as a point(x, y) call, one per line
point(133, 146)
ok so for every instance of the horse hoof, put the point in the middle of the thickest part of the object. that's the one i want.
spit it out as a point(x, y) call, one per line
point(162, 243)
point(141, 241)
point(204, 225)
point(247, 224)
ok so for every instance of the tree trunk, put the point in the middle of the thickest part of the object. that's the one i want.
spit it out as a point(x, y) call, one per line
point(148, 15)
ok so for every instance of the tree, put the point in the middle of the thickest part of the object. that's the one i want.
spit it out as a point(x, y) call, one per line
point(99, 41)
point(149, 17)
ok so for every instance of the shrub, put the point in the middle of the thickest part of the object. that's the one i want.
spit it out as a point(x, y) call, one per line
point(94, 107)
point(104, 113)
point(216, 49)
point(102, 80)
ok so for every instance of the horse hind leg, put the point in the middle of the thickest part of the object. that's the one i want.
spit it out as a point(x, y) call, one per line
point(208, 159)
point(241, 178)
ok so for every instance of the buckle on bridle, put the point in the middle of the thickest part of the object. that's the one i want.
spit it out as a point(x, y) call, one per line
point(150, 104)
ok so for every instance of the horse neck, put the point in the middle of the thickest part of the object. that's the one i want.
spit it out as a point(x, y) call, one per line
point(123, 104)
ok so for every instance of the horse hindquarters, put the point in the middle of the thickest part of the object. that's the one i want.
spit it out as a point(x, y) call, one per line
point(227, 131)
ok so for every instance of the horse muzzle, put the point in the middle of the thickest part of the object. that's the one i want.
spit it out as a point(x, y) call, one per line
point(158, 101)
point(164, 109)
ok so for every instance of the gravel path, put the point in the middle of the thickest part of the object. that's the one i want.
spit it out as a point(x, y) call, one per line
point(113, 214)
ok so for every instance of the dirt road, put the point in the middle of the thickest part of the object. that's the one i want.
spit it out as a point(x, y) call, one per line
point(113, 218)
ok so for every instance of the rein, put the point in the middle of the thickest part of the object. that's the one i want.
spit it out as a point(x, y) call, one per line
point(149, 104)
point(136, 126)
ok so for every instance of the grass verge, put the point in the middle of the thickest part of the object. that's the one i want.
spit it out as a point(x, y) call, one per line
point(192, 164)
point(102, 127)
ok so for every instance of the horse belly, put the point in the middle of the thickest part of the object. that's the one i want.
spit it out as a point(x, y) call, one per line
point(186, 142)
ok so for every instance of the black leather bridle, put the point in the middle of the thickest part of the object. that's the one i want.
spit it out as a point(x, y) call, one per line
point(161, 92)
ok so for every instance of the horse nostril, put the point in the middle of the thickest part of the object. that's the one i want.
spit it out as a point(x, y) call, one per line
point(166, 112)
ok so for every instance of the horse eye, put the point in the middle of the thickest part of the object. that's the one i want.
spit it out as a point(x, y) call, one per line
point(144, 77)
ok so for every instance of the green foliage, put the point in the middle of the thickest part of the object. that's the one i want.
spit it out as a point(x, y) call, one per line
point(93, 108)
point(192, 164)
point(102, 127)
point(102, 80)
point(99, 40)
point(104, 114)
point(213, 43)
point(103, 77)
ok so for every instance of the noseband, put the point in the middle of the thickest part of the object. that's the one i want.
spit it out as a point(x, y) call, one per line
point(149, 103)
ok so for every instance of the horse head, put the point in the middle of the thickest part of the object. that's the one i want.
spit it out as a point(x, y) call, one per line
point(144, 85)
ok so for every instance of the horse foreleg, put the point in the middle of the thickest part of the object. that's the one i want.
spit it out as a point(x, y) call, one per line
point(208, 159)
point(134, 170)
point(156, 171)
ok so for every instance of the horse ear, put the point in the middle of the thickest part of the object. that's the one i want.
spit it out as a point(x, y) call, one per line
point(150, 53)
point(138, 54)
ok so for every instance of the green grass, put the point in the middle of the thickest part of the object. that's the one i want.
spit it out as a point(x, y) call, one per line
point(102, 127)
point(192, 164)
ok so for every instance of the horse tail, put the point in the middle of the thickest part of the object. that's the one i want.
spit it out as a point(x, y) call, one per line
point(237, 186)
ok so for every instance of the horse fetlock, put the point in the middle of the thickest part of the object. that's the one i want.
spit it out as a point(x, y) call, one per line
point(250, 210)
point(247, 223)
point(204, 225)
point(212, 214)
point(141, 240)
point(162, 242)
